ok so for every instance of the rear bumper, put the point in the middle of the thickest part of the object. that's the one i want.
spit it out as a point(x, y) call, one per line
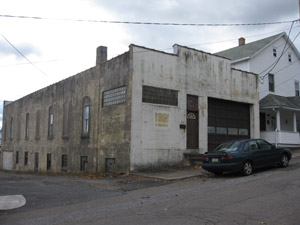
point(222, 167)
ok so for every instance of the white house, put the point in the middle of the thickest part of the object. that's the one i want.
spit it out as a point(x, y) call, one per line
point(276, 61)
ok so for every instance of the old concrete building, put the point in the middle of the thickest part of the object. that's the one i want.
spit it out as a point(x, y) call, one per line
point(144, 108)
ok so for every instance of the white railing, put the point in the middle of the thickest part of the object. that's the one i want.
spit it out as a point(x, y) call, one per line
point(281, 137)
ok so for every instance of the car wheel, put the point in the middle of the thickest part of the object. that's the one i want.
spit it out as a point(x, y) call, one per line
point(284, 160)
point(247, 168)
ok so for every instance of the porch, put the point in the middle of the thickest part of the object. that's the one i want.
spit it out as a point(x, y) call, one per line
point(280, 120)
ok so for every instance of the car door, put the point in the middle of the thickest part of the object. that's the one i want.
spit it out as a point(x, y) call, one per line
point(255, 154)
point(266, 152)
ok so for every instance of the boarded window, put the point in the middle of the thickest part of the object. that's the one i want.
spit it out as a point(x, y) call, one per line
point(66, 120)
point(37, 125)
point(64, 163)
point(11, 135)
point(83, 163)
point(27, 126)
point(160, 96)
point(114, 96)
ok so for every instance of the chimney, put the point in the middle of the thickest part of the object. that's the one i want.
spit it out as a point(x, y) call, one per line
point(101, 55)
point(242, 41)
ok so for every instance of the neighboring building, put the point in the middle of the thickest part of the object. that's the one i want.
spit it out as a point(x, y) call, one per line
point(142, 109)
point(276, 61)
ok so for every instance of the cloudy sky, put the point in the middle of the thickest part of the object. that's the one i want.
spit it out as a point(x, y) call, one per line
point(60, 46)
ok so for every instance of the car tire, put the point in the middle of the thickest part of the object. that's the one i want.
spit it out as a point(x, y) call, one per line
point(284, 160)
point(247, 168)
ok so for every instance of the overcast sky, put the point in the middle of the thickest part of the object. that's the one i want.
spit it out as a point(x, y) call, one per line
point(61, 48)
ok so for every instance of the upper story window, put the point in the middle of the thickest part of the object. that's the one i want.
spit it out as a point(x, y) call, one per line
point(289, 57)
point(27, 126)
point(274, 52)
point(160, 96)
point(50, 122)
point(86, 115)
point(37, 125)
point(66, 119)
point(297, 88)
point(271, 82)
point(11, 134)
point(114, 96)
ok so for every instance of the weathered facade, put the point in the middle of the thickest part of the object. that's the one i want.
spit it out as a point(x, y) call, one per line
point(142, 109)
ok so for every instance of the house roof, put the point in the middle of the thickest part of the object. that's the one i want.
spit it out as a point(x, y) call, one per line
point(276, 101)
point(248, 50)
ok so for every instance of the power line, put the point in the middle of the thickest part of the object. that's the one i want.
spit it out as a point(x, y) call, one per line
point(282, 53)
point(152, 23)
point(22, 54)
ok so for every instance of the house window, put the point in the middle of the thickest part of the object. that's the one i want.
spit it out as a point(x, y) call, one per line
point(86, 115)
point(27, 126)
point(64, 163)
point(11, 135)
point(50, 123)
point(271, 82)
point(160, 96)
point(25, 158)
point(83, 163)
point(114, 96)
point(17, 157)
point(290, 57)
point(297, 88)
point(37, 125)
point(274, 52)
point(48, 161)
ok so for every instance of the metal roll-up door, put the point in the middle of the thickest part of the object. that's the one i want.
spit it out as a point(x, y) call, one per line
point(227, 120)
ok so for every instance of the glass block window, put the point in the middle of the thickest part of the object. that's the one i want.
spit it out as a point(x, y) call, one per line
point(160, 96)
point(114, 96)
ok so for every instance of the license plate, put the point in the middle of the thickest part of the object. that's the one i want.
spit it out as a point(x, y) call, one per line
point(214, 160)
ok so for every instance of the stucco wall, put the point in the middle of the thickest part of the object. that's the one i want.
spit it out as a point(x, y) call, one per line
point(71, 91)
point(189, 72)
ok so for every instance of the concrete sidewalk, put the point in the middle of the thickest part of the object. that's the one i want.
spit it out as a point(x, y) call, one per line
point(173, 173)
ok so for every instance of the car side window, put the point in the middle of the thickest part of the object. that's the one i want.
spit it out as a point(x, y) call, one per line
point(246, 147)
point(253, 145)
point(263, 145)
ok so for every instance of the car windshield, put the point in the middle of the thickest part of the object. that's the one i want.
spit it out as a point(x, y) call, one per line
point(228, 146)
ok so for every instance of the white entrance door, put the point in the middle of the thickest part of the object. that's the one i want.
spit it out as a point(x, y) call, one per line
point(7, 160)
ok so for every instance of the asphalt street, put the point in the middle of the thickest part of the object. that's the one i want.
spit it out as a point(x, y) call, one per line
point(270, 196)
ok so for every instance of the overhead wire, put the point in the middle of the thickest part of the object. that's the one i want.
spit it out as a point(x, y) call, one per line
point(282, 53)
point(148, 23)
point(22, 55)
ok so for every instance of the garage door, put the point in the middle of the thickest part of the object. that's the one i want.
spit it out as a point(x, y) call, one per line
point(7, 160)
point(227, 120)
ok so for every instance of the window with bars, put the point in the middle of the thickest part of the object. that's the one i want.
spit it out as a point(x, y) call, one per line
point(114, 96)
point(161, 96)
point(27, 126)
